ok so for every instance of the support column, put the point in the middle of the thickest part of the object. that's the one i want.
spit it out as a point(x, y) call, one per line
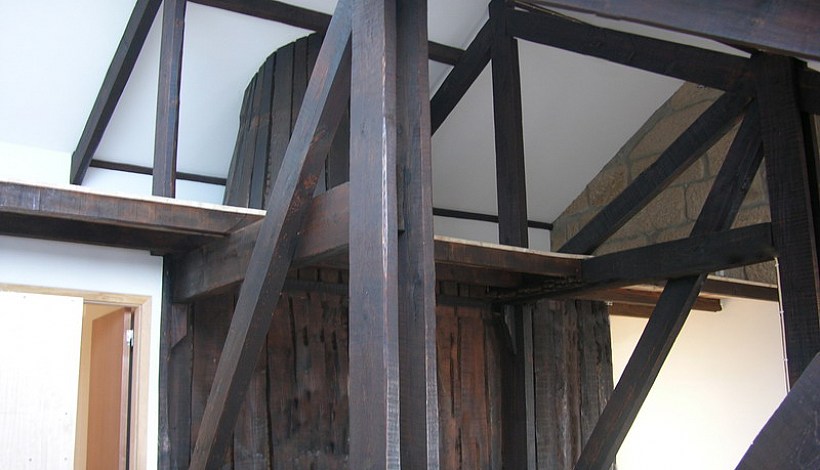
point(374, 328)
point(791, 178)
point(170, 76)
point(417, 272)
point(518, 420)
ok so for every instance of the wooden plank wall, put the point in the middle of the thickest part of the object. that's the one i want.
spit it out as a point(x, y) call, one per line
point(295, 415)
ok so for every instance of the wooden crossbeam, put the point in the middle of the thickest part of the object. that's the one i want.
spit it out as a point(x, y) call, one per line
point(458, 81)
point(790, 199)
point(718, 213)
point(418, 365)
point(698, 254)
point(790, 438)
point(170, 79)
point(113, 85)
point(311, 20)
point(709, 68)
point(785, 27)
point(685, 150)
point(325, 100)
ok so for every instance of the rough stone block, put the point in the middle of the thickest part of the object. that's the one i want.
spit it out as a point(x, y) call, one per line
point(696, 194)
point(608, 184)
point(690, 94)
point(752, 215)
point(762, 272)
point(668, 129)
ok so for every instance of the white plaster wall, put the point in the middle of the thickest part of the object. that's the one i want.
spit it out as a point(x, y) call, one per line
point(723, 379)
point(84, 267)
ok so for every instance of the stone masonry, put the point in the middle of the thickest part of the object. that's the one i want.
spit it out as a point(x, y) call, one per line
point(672, 213)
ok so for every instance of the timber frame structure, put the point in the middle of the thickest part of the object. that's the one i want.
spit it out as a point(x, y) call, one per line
point(378, 227)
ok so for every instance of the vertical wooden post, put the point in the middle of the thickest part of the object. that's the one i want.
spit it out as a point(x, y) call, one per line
point(790, 195)
point(170, 76)
point(417, 276)
point(518, 421)
point(374, 331)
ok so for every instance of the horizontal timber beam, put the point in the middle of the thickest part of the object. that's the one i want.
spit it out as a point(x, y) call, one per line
point(703, 66)
point(220, 265)
point(788, 28)
point(695, 255)
point(81, 215)
point(311, 20)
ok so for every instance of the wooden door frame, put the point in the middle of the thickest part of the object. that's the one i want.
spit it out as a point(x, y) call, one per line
point(140, 366)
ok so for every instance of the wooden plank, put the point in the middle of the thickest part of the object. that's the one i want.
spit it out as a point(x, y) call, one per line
point(237, 184)
point(262, 113)
point(785, 27)
point(644, 299)
point(687, 148)
point(272, 254)
point(692, 64)
point(280, 133)
point(419, 426)
point(793, 226)
point(310, 20)
point(466, 253)
point(113, 85)
point(790, 437)
point(374, 330)
point(679, 258)
point(170, 80)
point(461, 77)
point(210, 328)
point(719, 211)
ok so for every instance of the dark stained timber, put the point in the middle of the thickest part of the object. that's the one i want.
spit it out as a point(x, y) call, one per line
point(170, 79)
point(709, 68)
point(325, 100)
point(702, 134)
point(114, 83)
point(678, 297)
point(698, 254)
point(419, 413)
point(310, 20)
point(784, 27)
point(790, 437)
point(518, 407)
point(809, 82)
point(458, 81)
point(374, 329)
point(790, 196)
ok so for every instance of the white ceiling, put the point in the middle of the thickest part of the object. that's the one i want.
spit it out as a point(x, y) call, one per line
point(53, 56)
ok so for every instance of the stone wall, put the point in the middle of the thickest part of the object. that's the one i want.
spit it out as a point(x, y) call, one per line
point(672, 213)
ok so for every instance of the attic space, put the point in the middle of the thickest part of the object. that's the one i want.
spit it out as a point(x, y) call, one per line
point(528, 234)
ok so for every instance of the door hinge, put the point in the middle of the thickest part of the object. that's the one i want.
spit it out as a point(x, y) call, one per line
point(129, 338)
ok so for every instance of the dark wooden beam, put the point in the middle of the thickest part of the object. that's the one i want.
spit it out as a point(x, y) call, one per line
point(144, 170)
point(458, 81)
point(790, 199)
point(38, 206)
point(418, 367)
point(687, 148)
point(790, 437)
point(311, 20)
point(809, 83)
point(468, 215)
point(114, 83)
point(719, 210)
point(325, 100)
point(374, 323)
point(698, 254)
point(784, 27)
point(692, 64)
point(518, 400)
point(643, 298)
point(170, 79)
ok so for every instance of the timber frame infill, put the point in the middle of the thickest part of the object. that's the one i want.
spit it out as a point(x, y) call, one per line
point(390, 234)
